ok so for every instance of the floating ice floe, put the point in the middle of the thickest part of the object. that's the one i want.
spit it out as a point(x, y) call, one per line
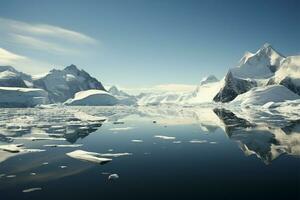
point(137, 141)
point(95, 157)
point(118, 122)
point(165, 137)
point(113, 176)
point(198, 141)
point(213, 142)
point(16, 148)
point(88, 156)
point(176, 142)
point(114, 154)
point(86, 117)
point(121, 129)
point(11, 176)
point(38, 138)
point(63, 167)
point(12, 148)
point(63, 145)
point(31, 190)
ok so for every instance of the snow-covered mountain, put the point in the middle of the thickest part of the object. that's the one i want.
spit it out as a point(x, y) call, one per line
point(265, 67)
point(288, 74)
point(10, 77)
point(59, 84)
point(123, 97)
point(203, 93)
point(63, 84)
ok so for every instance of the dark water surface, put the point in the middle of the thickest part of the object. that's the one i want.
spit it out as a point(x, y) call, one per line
point(236, 159)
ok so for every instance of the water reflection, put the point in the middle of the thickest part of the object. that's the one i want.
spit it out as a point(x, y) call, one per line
point(264, 134)
point(266, 142)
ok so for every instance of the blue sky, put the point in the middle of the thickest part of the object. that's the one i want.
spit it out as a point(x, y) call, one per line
point(141, 43)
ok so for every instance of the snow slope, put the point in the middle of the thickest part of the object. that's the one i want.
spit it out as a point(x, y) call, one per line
point(22, 97)
point(204, 93)
point(92, 98)
point(266, 94)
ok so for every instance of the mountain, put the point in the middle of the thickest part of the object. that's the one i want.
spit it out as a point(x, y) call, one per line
point(10, 77)
point(63, 84)
point(256, 70)
point(209, 79)
point(232, 87)
point(288, 74)
point(259, 65)
point(59, 84)
point(123, 97)
point(203, 93)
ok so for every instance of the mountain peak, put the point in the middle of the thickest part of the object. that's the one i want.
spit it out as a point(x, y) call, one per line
point(208, 79)
point(268, 50)
point(72, 67)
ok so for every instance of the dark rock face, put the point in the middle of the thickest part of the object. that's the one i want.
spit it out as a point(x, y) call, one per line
point(233, 87)
point(10, 77)
point(288, 82)
point(63, 84)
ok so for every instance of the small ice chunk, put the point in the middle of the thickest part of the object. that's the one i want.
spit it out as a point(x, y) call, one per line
point(110, 150)
point(114, 154)
point(213, 142)
point(11, 176)
point(177, 142)
point(31, 190)
point(63, 167)
point(12, 148)
point(113, 177)
point(121, 129)
point(165, 137)
point(86, 117)
point(63, 145)
point(37, 138)
point(118, 122)
point(45, 163)
point(137, 141)
point(198, 141)
point(32, 174)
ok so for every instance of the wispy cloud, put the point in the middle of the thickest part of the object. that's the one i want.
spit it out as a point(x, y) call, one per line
point(41, 44)
point(23, 63)
point(45, 30)
point(9, 57)
point(48, 38)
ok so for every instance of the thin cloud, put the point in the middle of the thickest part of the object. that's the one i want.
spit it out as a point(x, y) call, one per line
point(23, 63)
point(41, 44)
point(46, 30)
point(9, 57)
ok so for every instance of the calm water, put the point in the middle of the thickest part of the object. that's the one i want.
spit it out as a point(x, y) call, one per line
point(232, 158)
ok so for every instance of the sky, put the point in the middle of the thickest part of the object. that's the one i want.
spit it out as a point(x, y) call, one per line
point(144, 43)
